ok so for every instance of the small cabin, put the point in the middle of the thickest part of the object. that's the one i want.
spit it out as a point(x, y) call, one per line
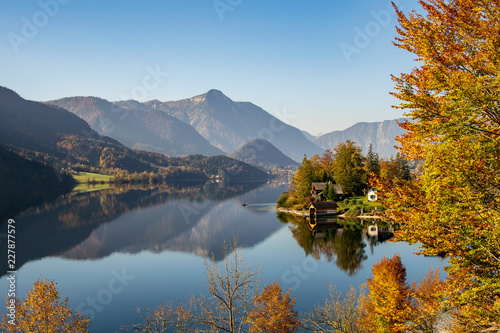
point(322, 208)
point(317, 190)
point(372, 195)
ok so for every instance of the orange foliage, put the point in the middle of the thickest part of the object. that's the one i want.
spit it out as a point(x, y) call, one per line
point(452, 100)
point(274, 311)
point(387, 306)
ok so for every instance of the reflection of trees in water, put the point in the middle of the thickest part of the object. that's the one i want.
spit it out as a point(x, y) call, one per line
point(342, 245)
point(350, 250)
point(76, 210)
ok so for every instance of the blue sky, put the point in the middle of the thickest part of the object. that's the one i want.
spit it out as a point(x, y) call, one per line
point(318, 65)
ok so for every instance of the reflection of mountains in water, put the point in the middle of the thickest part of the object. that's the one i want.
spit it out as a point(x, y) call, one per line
point(185, 217)
point(338, 241)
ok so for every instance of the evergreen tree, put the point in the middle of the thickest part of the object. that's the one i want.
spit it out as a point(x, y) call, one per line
point(326, 191)
point(402, 167)
point(372, 162)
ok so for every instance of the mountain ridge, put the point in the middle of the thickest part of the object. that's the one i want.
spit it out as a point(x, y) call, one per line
point(138, 127)
point(382, 135)
point(59, 138)
point(228, 125)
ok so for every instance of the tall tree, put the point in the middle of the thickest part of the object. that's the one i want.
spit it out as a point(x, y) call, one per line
point(387, 305)
point(232, 285)
point(303, 180)
point(326, 161)
point(453, 101)
point(273, 311)
point(372, 162)
point(41, 311)
point(348, 169)
point(402, 167)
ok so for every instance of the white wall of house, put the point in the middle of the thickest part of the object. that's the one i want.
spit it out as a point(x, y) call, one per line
point(371, 195)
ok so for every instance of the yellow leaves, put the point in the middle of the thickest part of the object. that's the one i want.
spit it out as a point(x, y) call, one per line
point(453, 99)
point(392, 306)
point(273, 311)
point(42, 312)
point(386, 307)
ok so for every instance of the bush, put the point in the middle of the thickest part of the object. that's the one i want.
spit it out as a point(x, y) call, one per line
point(282, 201)
point(360, 202)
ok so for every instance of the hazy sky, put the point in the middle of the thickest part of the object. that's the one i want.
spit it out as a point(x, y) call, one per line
point(319, 65)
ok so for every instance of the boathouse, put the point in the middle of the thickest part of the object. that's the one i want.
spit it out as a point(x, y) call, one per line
point(322, 208)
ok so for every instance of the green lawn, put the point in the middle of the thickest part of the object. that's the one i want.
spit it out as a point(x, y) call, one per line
point(366, 203)
point(82, 177)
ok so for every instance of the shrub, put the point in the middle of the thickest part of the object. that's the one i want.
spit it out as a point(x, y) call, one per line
point(282, 201)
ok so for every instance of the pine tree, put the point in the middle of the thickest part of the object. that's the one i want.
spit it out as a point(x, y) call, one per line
point(372, 162)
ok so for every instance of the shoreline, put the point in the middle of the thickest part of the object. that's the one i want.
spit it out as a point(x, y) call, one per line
point(306, 214)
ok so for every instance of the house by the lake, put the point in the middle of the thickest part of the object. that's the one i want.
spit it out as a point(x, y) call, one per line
point(372, 194)
point(322, 208)
point(317, 190)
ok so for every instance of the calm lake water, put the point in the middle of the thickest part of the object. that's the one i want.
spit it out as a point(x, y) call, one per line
point(115, 250)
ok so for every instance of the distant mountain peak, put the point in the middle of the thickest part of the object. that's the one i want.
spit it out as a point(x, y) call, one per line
point(215, 92)
point(217, 96)
point(263, 153)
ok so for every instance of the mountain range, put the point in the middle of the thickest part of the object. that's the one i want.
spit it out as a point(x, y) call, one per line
point(381, 135)
point(210, 124)
point(228, 125)
point(213, 124)
point(139, 128)
point(59, 138)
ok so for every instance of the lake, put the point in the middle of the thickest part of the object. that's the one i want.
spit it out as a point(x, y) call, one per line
point(115, 250)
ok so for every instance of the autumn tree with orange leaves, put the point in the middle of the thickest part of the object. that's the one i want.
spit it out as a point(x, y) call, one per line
point(387, 305)
point(391, 305)
point(41, 311)
point(273, 312)
point(453, 101)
